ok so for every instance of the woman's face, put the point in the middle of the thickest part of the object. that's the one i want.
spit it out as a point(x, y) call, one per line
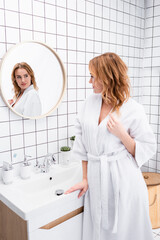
point(96, 85)
point(23, 78)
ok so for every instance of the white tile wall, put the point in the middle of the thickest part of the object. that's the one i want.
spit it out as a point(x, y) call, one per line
point(78, 30)
point(151, 80)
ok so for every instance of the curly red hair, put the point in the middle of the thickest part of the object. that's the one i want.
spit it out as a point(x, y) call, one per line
point(30, 72)
point(111, 72)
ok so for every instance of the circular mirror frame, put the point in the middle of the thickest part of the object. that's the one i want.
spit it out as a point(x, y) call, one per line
point(63, 74)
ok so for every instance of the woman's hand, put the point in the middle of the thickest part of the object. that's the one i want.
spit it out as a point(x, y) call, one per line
point(82, 186)
point(115, 127)
point(10, 101)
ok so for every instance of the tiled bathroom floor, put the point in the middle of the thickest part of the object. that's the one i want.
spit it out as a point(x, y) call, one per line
point(156, 234)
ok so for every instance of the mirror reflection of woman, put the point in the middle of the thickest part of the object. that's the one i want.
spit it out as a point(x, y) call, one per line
point(26, 100)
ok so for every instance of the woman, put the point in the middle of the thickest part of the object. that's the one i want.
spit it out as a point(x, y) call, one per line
point(26, 100)
point(113, 140)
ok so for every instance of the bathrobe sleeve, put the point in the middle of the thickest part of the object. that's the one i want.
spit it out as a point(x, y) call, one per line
point(32, 105)
point(79, 151)
point(143, 136)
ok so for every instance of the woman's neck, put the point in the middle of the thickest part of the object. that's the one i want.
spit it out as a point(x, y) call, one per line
point(106, 105)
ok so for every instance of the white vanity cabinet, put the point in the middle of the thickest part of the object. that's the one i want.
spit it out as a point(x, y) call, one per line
point(67, 227)
point(68, 230)
point(31, 210)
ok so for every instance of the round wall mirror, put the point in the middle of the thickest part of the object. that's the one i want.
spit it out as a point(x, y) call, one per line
point(32, 79)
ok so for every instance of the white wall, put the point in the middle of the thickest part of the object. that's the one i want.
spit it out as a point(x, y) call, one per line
point(151, 79)
point(78, 30)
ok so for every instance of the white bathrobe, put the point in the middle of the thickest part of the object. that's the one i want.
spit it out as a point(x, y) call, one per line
point(29, 105)
point(116, 204)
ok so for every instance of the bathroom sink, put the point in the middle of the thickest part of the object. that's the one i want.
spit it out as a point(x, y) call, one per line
point(34, 200)
point(41, 188)
point(36, 196)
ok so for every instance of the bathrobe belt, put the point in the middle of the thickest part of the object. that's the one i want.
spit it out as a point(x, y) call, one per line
point(108, 164)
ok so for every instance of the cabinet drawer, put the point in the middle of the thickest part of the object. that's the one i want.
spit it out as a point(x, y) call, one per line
point(68, 230)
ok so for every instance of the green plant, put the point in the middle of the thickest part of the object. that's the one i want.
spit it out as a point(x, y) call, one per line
point(65, 149)
point(73, 138)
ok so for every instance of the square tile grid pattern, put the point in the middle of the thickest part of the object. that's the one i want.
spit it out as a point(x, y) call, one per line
point(79, 30)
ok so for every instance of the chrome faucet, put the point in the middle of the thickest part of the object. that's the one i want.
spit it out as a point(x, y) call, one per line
point(49, 160)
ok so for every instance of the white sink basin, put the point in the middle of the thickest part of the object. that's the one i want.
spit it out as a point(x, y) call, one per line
point(41, 188)
point(36, 196)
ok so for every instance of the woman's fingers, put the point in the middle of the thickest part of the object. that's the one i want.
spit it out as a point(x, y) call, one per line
point(82, 186)
point(69, 190)
point(112, 118)
point(81, 193)
point(10, 101)
point(110, 123)
point(74, 188)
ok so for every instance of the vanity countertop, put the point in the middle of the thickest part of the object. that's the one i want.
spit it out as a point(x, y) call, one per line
point(34, 199)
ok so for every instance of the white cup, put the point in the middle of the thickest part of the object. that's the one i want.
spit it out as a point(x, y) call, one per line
point(25, 171)
point(7, 176)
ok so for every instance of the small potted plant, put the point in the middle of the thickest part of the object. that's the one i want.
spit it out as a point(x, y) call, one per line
point(72, 139)
point(65, 155)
